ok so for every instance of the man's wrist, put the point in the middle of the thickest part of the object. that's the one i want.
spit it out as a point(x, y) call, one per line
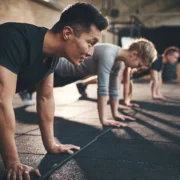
point(11, 163)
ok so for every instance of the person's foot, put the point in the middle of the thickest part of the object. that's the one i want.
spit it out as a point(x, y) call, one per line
point(26, 98)
point(81, 89)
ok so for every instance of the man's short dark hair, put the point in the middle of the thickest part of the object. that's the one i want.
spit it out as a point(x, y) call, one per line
point(171, 50)
point(81, 16)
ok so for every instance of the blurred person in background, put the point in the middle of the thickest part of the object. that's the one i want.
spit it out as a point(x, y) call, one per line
point(170, 56)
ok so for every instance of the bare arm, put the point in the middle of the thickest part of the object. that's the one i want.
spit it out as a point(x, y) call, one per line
point(8, 148)
point(7, 118)
point(45, 109)
point(102, 105)
point(155, 84)
point(128, 88)
point(126, 85)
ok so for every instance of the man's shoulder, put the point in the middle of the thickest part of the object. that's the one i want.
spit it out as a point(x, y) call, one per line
point(12, 27)
point(16, 25)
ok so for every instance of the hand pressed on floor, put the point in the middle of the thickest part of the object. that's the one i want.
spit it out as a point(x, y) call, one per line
point(18, 171)
point(122, 107)
point(63, 148)
point(113, 123)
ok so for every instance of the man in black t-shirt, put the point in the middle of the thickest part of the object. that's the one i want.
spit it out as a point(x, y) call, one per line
point(27, 58)
point(170, 55)
point(157, 65)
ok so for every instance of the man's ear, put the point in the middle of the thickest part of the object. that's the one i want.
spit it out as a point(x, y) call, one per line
point(67, 32)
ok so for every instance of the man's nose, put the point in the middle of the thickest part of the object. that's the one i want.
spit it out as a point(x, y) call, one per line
point(90, 51)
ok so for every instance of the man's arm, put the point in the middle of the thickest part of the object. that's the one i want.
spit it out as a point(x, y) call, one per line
point(7, 118)
point(45, 109)
point(8, 148)
point(155, 85)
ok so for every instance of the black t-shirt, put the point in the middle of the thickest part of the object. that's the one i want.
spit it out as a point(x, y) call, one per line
point(157, 64)
point(21, 51)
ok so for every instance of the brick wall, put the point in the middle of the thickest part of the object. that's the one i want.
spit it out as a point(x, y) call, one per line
point(27, 11)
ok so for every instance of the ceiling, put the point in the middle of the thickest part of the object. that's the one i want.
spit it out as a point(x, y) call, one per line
point(149, 13)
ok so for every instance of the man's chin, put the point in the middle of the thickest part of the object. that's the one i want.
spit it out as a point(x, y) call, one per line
point(76, 63)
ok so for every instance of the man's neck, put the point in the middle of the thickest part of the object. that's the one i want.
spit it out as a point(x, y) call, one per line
point(52, 45)
point(164, 60)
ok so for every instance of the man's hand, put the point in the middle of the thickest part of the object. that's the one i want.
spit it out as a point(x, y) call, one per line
point(63, 148)
point(113, 123)
point(18, 171)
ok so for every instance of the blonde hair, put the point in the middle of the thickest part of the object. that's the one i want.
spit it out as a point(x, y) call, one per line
point(146, 50)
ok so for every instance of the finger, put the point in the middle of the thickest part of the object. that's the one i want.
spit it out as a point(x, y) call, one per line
point(9, 174)
point(13, 175)
point(135, 105)
point(70, 151)
point(129, 105)
point(36, 172)
point(116, 124)
point(124, 107)
point(130, 118)
point(122, 118)
point(121, 124)
point(26, 175)
point(19, 174)
point(71, 146)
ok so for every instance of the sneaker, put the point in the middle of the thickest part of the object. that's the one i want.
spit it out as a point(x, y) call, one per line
point(81, 89)
point(26, 98)
point(28, 102)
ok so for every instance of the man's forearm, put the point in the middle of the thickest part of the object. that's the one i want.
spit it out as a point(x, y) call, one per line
point(7, 130)
point(158, 91)
point(45, 109)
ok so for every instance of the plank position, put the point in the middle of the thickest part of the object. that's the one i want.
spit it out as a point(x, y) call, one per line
point(170, 56)
point(28, 57)
point(107, 62)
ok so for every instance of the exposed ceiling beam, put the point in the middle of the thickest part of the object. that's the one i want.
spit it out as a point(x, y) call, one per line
point(52, 4)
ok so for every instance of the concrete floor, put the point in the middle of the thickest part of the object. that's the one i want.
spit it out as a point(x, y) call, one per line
point(148, 149)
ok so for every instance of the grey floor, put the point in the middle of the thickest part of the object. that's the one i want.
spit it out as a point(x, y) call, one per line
point(148, 149)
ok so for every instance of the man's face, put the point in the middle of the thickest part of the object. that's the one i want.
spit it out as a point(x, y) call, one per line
point(79, 48)
point(172, 58)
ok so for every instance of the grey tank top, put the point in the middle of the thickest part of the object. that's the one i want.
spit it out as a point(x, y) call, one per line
point(102, 64)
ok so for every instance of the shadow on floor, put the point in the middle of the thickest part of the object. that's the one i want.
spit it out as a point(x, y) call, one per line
point(158, 106)
point(109, 156)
